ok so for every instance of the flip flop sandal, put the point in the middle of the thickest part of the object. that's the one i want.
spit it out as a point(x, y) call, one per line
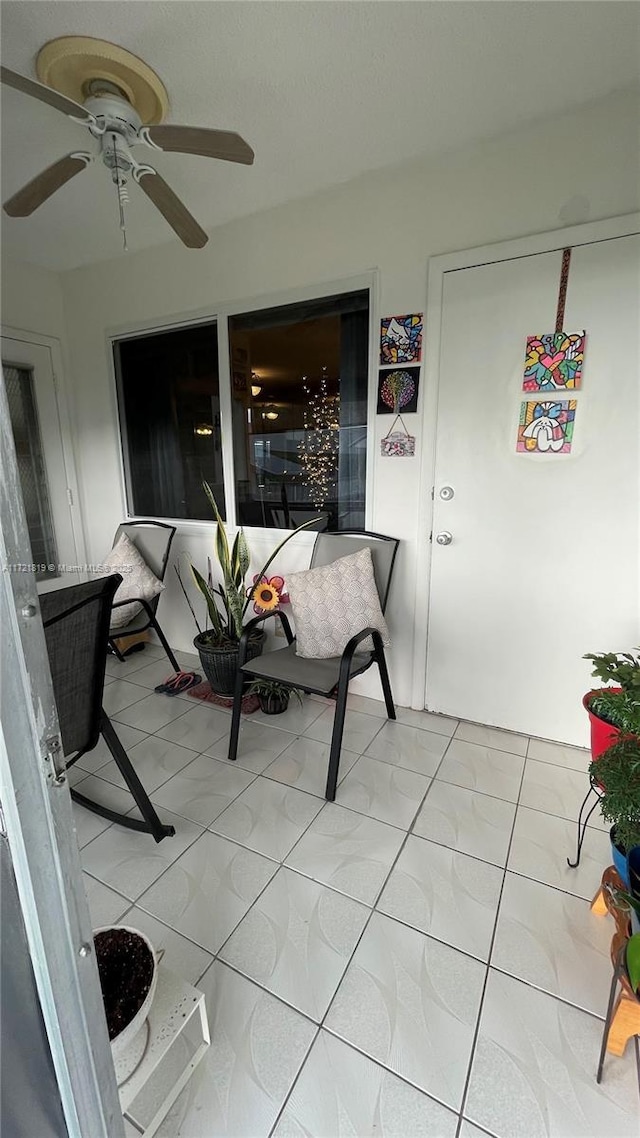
point(178, 683)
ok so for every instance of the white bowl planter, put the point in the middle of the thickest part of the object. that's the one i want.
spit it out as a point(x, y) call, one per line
point(128, 1047)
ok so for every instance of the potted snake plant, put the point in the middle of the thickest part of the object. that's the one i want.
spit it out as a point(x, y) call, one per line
point(228, 600)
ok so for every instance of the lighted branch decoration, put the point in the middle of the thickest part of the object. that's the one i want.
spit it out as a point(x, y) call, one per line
point(318, 450)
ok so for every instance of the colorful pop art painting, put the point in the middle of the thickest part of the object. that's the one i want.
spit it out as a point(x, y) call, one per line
point(553, 362)
point(401, 339)
point(546, 427)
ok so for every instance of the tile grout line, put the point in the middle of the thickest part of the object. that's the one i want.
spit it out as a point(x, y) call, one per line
point(474, 1043)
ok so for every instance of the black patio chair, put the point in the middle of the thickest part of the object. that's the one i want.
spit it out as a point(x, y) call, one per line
point(153, 542)
point(76, 627)
point(328, 677)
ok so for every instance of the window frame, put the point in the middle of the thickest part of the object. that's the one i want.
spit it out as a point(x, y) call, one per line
point(220, 315)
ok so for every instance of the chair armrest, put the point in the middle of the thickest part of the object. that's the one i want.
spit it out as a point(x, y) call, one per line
point(349, 652)
point(139, 601)
point(253, 624)
point(358, 638)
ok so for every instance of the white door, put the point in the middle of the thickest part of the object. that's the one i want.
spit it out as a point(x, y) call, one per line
point(43, 464)
point(543, 560)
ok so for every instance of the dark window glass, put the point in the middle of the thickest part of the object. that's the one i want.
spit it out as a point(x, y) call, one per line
point(169, 399)
point(299, 395)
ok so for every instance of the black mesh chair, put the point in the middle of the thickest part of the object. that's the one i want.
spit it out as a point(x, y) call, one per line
point(76, 627)
point(153, 542)
point(324, 677)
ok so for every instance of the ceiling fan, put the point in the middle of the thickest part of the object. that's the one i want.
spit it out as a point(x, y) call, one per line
point(122, 103)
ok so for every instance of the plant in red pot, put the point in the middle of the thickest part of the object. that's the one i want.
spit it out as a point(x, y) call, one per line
point(616, 709)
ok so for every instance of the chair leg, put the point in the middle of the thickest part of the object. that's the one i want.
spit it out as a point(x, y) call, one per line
point(607, 1023)
point(235, 716)
point(386, 683)
point(116, 651)
point(152, 822)
point(165, 644)
point(336, 736)
point(582, 827)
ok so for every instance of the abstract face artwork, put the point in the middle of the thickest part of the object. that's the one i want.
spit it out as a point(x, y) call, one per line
point(546, 427)
point(401, 339)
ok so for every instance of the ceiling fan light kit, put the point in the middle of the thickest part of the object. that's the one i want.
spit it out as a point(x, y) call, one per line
point(122, 103)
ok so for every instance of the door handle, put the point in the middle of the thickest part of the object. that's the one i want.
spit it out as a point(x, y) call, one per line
point(444, 537)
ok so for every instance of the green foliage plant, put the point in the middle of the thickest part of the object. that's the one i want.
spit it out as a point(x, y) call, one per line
point(632, 961)
point(228, 600)
point(619, 708)
point(617, 773)
point(266, 688)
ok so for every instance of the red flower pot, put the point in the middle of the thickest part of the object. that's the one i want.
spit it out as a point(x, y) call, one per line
point(602, 734)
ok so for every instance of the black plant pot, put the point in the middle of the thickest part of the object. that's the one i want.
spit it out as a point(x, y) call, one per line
point(273, 704)
point(221, 664)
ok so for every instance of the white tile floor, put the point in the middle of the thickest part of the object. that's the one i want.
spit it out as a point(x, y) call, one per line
point(415, 959)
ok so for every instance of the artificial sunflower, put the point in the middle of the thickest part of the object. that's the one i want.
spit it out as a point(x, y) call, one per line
point(268, 593)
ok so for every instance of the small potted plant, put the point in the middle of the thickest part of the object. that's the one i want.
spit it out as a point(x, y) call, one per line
point(616, 772)
point(273, 697)
point(228, 600)
point(613, 709)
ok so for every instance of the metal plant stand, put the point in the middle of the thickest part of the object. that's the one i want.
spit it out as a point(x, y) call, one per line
point(583, 822)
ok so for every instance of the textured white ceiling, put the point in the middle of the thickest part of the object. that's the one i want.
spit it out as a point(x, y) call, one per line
point(322, 90)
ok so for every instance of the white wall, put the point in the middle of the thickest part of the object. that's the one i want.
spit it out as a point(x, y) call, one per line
point(32, 299)
point(575, 168)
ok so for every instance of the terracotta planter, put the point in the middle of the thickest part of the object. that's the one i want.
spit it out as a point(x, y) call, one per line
point(221, 664)
point(602, 734)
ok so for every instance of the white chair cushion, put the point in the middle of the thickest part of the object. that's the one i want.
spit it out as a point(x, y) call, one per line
point(137, 580)
point(334, 602)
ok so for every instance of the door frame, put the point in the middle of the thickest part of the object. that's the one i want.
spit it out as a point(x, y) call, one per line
point(557, 239)
point(55, 349)
point(38, 822)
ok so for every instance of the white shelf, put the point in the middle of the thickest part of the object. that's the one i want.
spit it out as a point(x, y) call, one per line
point(175, 1003)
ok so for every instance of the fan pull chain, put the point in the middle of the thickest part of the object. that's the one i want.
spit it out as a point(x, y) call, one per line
point(123, 196)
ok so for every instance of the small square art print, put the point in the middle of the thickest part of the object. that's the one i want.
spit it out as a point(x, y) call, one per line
point(398, 390)
point(553, 361)
point(401, 339)
point(546, 427)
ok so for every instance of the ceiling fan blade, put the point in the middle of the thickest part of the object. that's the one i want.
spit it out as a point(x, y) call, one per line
point(173, 210)
point(222, 144)
point(44, 94)
point(44, 185)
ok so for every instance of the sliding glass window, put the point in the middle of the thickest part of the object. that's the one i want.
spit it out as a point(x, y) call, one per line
point(299, 378)
point(169, 402)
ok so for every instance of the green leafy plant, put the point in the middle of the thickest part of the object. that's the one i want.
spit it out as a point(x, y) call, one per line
point(617, 773)
point(266, 688)
point(632, 960)
point(626, 901)
point(228, 600)
point(619, 708)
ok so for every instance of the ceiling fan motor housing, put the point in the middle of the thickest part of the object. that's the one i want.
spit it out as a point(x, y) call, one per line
point(116, 114)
